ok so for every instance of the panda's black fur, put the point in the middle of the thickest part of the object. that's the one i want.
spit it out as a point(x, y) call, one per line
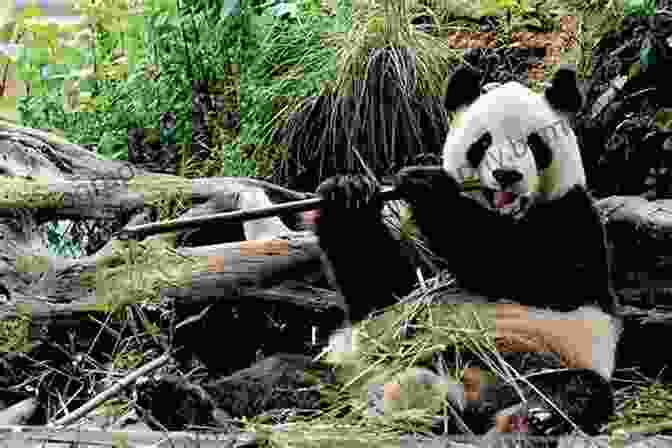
point(553, 256)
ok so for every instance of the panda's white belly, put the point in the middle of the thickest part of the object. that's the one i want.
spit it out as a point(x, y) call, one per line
point(583, 338)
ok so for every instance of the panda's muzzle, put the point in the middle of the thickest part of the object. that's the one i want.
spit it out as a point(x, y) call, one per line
point(505, 200)
point(507, 178)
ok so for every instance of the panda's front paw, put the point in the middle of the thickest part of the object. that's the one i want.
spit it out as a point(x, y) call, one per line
point(427, 159)
point(422, 183)
point(349, 192)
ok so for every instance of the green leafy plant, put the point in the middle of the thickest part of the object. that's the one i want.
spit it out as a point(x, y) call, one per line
point(639, 7)
point(519, 13)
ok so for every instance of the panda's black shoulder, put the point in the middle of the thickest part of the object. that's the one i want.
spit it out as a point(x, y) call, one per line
point(578, 198)
point(577, 204)
point(578, 194)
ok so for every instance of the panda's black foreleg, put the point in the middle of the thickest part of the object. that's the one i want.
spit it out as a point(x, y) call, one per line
point(580, 250)
point(476, 242)
point(583, 396)
point(599, 281)
point(366, 260)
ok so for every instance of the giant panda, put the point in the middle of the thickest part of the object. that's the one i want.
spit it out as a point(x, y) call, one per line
point(531, 235)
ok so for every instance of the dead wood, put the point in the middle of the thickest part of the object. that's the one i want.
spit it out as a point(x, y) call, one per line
point(282, 381)
point(19, 413)
point(641, 235)
point(261, 262)
point(48, 178)
point(24, 436)
point(653, 216)
point(564, 442)
point(30, 436)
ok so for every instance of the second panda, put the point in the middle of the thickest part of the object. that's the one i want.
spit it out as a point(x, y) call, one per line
point(532, 235)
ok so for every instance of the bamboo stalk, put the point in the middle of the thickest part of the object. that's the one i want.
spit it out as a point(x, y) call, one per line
point(141, 231)
point(387, 193)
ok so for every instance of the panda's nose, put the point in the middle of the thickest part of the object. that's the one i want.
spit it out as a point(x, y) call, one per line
point(506, 178)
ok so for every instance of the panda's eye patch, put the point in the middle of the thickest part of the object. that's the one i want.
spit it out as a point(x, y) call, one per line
point(477, 150)
point(541, 151)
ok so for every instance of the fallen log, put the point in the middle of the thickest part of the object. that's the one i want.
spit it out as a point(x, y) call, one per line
point(641, 235)
point(29, 436)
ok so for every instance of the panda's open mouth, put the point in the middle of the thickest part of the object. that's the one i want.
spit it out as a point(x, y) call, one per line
point(507, 202)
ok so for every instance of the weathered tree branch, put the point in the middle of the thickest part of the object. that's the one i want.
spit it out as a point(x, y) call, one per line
point(49, 178)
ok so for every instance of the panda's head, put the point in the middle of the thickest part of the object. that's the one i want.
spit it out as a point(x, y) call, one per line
point(517, 143)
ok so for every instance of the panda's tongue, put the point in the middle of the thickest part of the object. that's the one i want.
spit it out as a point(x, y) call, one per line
point(503, 198)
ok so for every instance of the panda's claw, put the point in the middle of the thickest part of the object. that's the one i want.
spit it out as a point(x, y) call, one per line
point(422, 183)
point(348, 192)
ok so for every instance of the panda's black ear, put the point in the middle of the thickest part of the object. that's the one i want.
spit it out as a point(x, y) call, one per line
point(463, 88)
point(543, 155)
point(564, 94)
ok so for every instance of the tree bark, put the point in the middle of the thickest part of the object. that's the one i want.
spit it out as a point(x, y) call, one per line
point(48, 179)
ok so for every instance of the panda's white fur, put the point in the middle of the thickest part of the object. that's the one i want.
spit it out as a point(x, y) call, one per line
point(510, 113)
